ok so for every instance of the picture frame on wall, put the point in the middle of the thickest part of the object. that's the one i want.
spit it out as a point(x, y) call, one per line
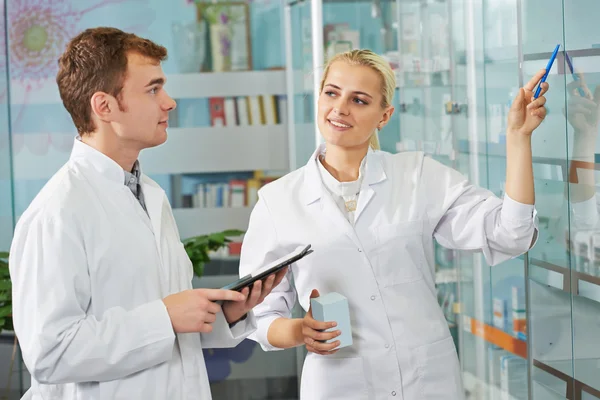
point(229, 44)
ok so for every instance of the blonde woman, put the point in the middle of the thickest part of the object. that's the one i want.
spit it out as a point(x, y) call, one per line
point(371, 218)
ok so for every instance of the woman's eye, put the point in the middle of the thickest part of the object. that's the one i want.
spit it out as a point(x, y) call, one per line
point(330, 94)
point(153, 90)
point(359, 101)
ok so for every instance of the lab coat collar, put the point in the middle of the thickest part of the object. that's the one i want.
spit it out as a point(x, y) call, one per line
point(110, 170)
point(313, 187)
point(104, 165)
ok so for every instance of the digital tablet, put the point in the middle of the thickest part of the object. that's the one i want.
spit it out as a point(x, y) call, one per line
point(270, 269)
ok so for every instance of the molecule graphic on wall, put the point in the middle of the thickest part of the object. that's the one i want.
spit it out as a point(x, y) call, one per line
point(38, 31)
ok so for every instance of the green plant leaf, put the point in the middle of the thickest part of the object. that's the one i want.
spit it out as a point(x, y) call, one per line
point(4, 254)
point(199, 269)
point(5, 286)
point(5, 311)
point(199, 247)
point(233, 232)
point(8, 324)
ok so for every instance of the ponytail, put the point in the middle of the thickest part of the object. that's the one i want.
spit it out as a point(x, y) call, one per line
point(374, 140)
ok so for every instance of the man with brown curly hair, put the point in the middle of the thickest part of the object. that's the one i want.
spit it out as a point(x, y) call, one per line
point(103, 302)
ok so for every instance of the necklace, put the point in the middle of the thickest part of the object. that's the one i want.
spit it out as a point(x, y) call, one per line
point(350, 205)
point(347, 190)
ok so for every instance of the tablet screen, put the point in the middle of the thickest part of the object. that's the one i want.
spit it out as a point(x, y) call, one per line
point(271, 268)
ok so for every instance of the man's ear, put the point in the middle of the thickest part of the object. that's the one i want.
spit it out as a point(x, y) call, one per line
point(103, 106)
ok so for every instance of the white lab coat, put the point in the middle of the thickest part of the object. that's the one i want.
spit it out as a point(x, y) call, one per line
point(385, 267)
point(89, 272)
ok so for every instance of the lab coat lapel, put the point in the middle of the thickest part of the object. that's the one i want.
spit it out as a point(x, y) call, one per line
point(374, 174)
point(336, 217)
point(154, 198)
point(316, 195)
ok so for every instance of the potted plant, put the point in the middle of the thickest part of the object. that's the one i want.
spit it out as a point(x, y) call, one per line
point(199, 247)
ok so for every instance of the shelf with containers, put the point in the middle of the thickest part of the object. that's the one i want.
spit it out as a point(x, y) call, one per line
point(559, 274)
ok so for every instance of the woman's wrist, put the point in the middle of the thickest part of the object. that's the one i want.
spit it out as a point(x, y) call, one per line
point(518, 142)
point(518, 137)
point(285, 333)
point(298, 335)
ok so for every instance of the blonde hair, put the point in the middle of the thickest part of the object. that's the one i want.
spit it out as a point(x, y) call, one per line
point(367, 58)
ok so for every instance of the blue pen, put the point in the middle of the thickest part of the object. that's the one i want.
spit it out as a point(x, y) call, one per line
point(573, 74)
point(539, 89)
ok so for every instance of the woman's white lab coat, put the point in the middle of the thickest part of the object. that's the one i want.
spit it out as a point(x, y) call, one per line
point(384, 265)
point(89, 270)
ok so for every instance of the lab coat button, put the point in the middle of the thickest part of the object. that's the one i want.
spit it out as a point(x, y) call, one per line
point(131, 180)
point(393, 393)
point(372, 297)
point(359, 250)
point(387, 346)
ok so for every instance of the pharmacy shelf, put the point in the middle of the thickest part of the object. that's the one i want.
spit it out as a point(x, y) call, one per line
point(575, 282)
point(227, 149)
point(449, 275)
point(509, 54)
point(586, 379)
point(179, 86)
point(499, 150)
point(213, 281)
point(201, 221)
point(186, 151)
point(562, 326)
point(479, 389)
point(495, 336)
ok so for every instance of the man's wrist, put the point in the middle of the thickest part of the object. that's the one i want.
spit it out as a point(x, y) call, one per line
point(243, 318)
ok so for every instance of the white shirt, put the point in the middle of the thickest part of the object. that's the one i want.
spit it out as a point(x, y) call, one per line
point(90, 269)
point(384, 265)
point(345, 194)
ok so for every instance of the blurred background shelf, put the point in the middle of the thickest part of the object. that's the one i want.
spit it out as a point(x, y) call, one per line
point(575, 282)
point(509, 54)
point(187, 150)
point(587, 378)
point(212, 149)
point(178, 86)
point(201, 221)
point(495, 336)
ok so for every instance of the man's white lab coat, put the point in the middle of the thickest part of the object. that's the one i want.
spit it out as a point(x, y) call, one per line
point(89, 271)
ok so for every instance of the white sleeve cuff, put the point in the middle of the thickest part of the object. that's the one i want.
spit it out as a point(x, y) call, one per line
point(159, 322)
point(513, 210)
point(223, 335)
point(238, 331)
point(261, 334)
point(242, 329)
